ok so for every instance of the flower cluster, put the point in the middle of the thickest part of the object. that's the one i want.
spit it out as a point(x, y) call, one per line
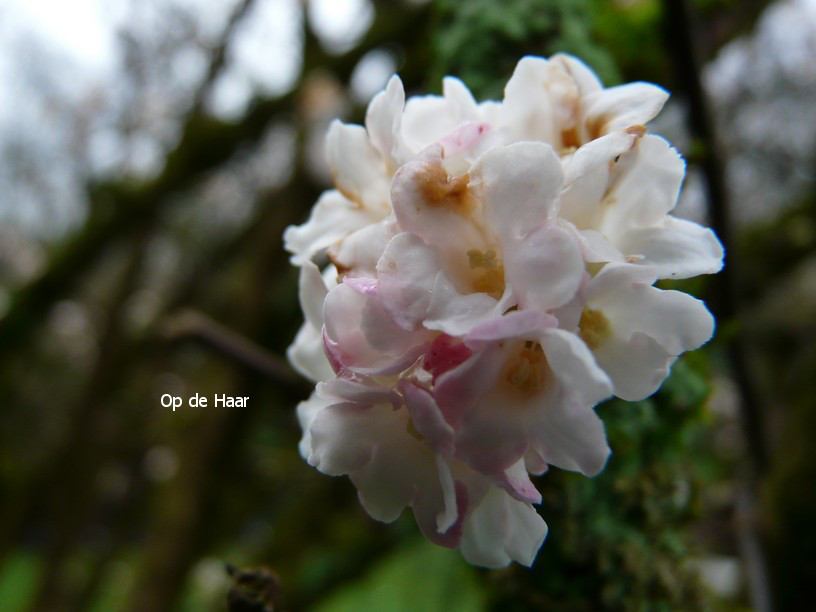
point(491, 279)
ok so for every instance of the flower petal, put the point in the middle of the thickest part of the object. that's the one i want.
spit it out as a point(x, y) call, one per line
point(333, 218)
point(572, 362)
point(406, 275)
point(428, 418)
point(384, 117)
point(617, 108)
point(675, 249)
point(545, 269)
point(358, 169)
point(502, 529)
point(646, 187)
point(518, 185)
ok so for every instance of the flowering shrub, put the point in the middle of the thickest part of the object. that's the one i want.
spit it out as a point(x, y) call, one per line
point(491, 279)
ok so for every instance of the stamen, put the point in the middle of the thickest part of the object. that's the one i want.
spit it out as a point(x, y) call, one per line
point(594, 327)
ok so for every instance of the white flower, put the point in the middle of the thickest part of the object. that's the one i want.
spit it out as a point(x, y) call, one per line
point(494, 268)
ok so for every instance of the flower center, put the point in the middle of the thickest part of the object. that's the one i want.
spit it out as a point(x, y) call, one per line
point(526, 369)
point(594, 327)
point(487, 272)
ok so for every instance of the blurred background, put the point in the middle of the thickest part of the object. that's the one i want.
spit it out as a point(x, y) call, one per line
point(151, 154)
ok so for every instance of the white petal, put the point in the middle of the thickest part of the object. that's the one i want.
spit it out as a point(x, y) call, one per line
point(359, 253)
point(676, 320)
point(582, 74)
point(598, 153)
point(460, 99)
point(307, 355)
point(545, 269)
point(618, 108)
point(637, 365)
point(518, 186)
point(527, 110)
point(358, 169)
point(306, 411)
point(384, 117)
point(502, 529)
point(312, 292)
point(333, 218)
point(675, 249)
point(448, 516)
point(648, 183)
point(572, 362)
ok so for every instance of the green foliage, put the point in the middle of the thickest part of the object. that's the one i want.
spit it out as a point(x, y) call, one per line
point(18, 579)
point(418, 576)
point(481, 41)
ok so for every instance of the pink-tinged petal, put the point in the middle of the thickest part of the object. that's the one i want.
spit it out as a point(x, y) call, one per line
point(333, 352)
point(333, 218)
point(545, 269)
point(358, 169)
point(384, 117)
point(427, 502)
point(518, 185)
point(361, 336)
point(459, 389)
point(406, 273)
point(516, 481)
point(455, 313)
point(513, 325)
point(428, 118)
point(534, 463)
point(573, 364)
point(637, 365)
point(464, 137)
point(427, 418)
point(647, 183)
point(502, 529)
point(675, 249)
point(444, 354)
point(358, 391)
point(363, 285)
point(617, 108)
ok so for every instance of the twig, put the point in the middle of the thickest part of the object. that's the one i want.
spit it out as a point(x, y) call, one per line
point(194, 324)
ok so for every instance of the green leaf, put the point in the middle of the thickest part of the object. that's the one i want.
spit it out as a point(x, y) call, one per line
point(418, 576)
